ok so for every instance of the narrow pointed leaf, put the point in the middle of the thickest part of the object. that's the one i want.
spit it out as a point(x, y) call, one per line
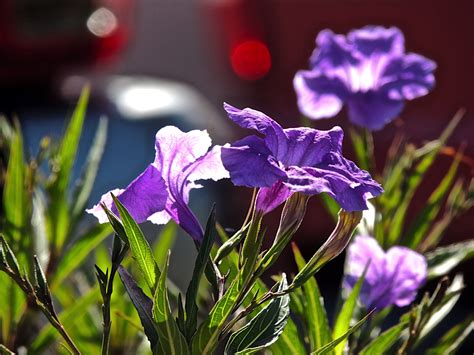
point(426, 217)
point(344, 317)
point(143, 304)
point(453, 339)
point(172, 340)
point(205, 340)
point(202, 259)
point(265, 328)
point(444, 259)
point(14, 191)
point(139, 246)
point(86, 182)
point(289, 341)
point(385, 341)
point(314, 311)
point(330, 347)
point(414, 180)
point(59, 218)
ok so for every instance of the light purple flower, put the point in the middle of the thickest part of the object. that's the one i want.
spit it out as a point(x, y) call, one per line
point(368, 70)
point(161, 192)
point(285, 161)
point(392, 278)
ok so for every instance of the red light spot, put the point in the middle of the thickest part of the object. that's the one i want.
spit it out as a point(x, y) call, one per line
point(251, 60)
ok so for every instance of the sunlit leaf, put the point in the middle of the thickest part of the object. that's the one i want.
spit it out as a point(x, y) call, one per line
point(314, 311)
point(444, 259)
point(289, 341)
point(265, 328)
point(382, 343)
point(58, 187)
point(172, 340)
point(206, 338)
point(86, 182)
point(165, 242)
point(139, 246)
point(346, 314)
point(330, 347)
point(453, 339)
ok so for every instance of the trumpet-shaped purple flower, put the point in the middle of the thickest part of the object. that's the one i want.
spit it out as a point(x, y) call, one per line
point(285, 161)
point(161, 192)
point(392, 278)
point(368, 70)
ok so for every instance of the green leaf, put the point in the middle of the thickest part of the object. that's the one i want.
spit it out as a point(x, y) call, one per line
point(144, 306)
point(205, 340)
point(289, 341)
point(414, 179)
point(165, 242)
point(453, 293)
point(41, 286)
point(454, 338)
point(139, 246)
point(58, 186)
point(79, 251)
point(330, 346)
point(334, 245)
point(172, 340)
point(86, 182)
point(444, 259)
point(314, 311)
point(15, 203)
point(384, 341)
point(265, 328)
point(344, 317)
point(425, 219)
point(203, 258)
point(364, 148)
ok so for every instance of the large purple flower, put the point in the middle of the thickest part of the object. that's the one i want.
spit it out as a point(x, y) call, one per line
point(161, 192)
point(285, 161)
point(392, 278)
point(368, 70)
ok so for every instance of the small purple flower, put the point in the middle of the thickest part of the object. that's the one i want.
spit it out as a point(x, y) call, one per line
point(368, 70)
point(285, 161)
point(392, 277)
point(161, 192)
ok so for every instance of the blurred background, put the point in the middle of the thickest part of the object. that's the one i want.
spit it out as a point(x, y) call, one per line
point(156, 62)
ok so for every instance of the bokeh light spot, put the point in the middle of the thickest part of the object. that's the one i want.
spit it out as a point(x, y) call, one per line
point(251, 60)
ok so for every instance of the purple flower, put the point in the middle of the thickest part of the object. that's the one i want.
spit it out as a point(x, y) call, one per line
point(392, 277)
point(161, 192)
point(285, 161)
point(368, 70)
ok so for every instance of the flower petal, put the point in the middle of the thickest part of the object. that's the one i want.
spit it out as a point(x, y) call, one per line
point(145, 195)
point(269, 198)
point(376, 40)
point(408, 77)
point(319, 96)
point(250, 163)
point(98, 212)
point(176, 150)
point(308, 147)
point(373, 109)
point(350, 186)
point(275, 138)
point(332, 51)
point(409, 270)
